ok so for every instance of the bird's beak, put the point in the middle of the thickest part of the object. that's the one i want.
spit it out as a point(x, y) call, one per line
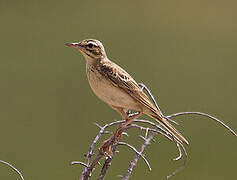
point(74, 45)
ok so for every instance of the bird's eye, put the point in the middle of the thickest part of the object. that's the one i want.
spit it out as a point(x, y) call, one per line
point(90, 45)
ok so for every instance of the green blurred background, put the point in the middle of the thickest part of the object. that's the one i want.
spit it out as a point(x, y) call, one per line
point(184, 51)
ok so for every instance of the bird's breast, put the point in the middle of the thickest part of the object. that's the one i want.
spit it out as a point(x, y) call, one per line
point(108, 92)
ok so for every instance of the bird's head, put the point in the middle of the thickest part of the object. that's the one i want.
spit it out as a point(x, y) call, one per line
point(90, 48)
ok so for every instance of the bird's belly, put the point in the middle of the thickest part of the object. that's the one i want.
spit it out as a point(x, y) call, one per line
point(109, 93)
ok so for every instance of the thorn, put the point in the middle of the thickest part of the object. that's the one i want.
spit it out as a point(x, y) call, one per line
point(126, 134)
point(96, 124)
point(142, 137)
point(78, 162)
point(107, 132)
point(147, 131)
point(107, 155)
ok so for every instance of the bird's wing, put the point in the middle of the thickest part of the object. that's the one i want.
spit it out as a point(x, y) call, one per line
point(120, 78)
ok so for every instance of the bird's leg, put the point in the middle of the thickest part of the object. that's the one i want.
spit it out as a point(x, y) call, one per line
point(106, 146)
point(131, 118)
point(128, 120)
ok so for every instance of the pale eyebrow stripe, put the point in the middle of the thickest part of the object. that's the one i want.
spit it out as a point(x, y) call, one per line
point(93, 43)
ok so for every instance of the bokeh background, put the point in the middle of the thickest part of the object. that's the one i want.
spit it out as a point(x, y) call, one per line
point(184, 51)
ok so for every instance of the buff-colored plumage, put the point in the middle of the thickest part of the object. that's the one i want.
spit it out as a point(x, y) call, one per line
point(116, 87)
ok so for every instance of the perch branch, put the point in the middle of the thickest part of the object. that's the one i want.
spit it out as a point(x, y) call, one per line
point(206, 115)
point(107, 162)
point(78, 162)
point(92, 147)
point(89, 168)
point(139, 154)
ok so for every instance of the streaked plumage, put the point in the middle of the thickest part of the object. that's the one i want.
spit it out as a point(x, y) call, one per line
point(116, 87)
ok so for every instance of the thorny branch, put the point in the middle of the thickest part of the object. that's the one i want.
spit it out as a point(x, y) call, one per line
point(134, 162)
point(205, 115)
point(107, 162)
point(149, 128)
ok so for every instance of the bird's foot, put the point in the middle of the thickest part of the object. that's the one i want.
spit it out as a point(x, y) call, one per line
point(106, 146)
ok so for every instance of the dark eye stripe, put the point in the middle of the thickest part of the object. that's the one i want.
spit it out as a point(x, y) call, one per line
point(90, 45)
point(90, 50)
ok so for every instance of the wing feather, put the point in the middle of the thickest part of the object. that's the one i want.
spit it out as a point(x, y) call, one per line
point(120, 78)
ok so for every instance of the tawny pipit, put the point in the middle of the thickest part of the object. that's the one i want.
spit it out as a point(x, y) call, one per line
point(116, 87)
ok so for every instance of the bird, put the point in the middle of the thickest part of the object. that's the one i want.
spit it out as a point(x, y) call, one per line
point(113, 85)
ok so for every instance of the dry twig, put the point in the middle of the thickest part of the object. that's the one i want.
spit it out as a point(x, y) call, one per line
point(147, 127)
point(13, 167)
point(139, 154)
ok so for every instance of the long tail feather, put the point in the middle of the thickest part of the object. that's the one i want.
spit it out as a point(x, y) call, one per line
point(170, 128)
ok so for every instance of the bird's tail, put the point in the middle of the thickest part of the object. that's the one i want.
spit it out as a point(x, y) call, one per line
point(170, 128)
